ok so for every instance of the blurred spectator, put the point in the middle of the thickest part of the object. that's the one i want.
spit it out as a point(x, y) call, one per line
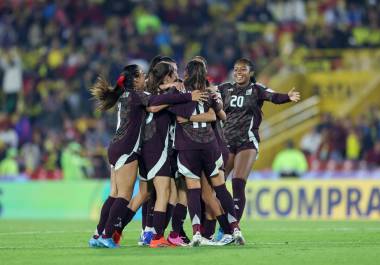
point(290, 162)
point(311, 141)
point(353, 147)
point(74, 165)
point(10, 64)
point(9, 166)
point(7, 134)
point(372, 158)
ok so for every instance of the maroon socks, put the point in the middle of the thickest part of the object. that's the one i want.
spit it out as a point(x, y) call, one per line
point(169, 214)
point(179, 216)
point(195, 208)
point(104, 213)
point(159, 221)
point(227, 204)
point(116, 217)
point(238, 188)
point(208, 228)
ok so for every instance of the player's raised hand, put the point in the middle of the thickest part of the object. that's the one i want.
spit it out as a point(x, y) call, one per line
point(179, 86)
point(294, 96)
point(199, 96)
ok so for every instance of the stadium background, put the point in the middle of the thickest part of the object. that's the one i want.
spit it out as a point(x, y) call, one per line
point(53, 142)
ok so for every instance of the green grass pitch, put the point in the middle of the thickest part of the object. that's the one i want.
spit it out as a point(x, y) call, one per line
point(268, 242)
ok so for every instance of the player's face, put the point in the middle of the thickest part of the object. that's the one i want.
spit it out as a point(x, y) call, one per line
point(140, 80)
point(241, 74)
point(170, 78)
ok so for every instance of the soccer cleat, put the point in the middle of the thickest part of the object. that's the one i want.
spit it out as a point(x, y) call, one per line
point(197, 239)
point(176, 240)
point(93, 242)
point(107, 242)
point(116, 237)
point(141, 239)
point(226, 240)
point(147, 237)
point(208, 242)
point(160, 243)
point(238, 236)
point(219, 235)
point(184, 237)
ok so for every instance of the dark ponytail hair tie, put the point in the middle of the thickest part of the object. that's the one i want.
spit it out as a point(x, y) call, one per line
point(120, 81)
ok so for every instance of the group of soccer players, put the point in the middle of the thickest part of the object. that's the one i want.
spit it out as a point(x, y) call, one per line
point(183, 138)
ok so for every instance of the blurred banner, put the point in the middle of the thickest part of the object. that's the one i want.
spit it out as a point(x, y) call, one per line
point(277, 199)
point(313, 199)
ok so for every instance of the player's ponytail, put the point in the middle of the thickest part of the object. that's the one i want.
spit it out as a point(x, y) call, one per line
point(106, 95)
point(249, 63)
point(196, 76)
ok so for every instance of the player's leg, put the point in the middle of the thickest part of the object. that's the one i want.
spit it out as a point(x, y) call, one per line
point(244, 161)
point(104, 212)
point(125, 180)
point(212, 160)
point(172, 201)
point(213, 208)
point(195, 208)
point(229, 165)
point(227, 204)
point(178, 236)
point(162, 187)
point(190, 166)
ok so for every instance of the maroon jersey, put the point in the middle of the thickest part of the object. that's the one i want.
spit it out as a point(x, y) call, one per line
point(131, 114)
point(243, 109)
point(193, 135)
point(157, 125)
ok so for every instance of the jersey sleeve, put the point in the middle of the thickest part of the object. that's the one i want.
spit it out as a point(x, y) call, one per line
point(183, 110)
point(142, 98)
point(216, 104)
point(223, 89)
point(169, 98)
point(268, 94)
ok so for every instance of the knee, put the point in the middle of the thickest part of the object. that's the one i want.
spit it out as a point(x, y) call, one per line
point(207, 196)
point(163, 194)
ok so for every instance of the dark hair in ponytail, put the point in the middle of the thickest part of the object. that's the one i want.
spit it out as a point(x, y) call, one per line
point(196, 76)
point(249, 63)
point(200, 59)
point(158, 59)
point(157, 75)
point(106, 95)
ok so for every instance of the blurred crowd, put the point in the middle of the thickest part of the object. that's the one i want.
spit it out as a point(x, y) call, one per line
point(344, 144)
point(51, 52)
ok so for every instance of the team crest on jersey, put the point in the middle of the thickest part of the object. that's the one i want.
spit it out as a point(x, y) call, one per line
point(126, 94)
point(248, 92)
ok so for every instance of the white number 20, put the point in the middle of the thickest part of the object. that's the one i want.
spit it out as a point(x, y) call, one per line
point(237, 101)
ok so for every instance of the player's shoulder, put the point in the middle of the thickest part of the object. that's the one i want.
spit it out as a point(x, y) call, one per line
point(225, 86)
point(263, 87)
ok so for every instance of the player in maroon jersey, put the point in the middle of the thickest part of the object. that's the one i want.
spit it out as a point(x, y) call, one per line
point(243, 101)
point(212, 209)
point(122, 152)
point(198, 152)
point(177, 206)
point(155, 152)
